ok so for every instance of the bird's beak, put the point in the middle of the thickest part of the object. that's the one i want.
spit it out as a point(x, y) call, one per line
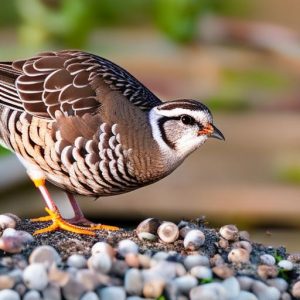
point(212, 131)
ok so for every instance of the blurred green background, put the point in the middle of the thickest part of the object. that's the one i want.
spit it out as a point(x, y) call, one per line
point(241, 58)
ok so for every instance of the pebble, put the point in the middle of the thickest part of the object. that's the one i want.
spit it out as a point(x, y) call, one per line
point(239, 255)
point(24, 236)
point(265, 271)
point(127, 246)
point(100, 262)
point(52, 292)
point(229, 232)
point(168, 232)
point(147, 229)
point(87, 278)
point(185, 283)
point(245, 282)
point(194, 240)
point(77, 261)
point(73, 289)
point(133, 282)
point(264, 292)
point(267, 259)
point(35, 276)
point(244, 235)
point(217, 260)
point(153, 288)
point(103, 247)
point(132, 260)
point(279, 283)
point(243, 244)
point(294, 258)
point(232, 286)
point(286, 296)
point(112, 293)
point(209, 291)
point(8, 294)
point(201, 272)
point(223, 271)
point(46, 255)
point(7, 222)
point(244, 295)
point(90, 296)
point(6, 282)
point(119, 268)
point(58, 276)
point(32, 295)
point(286, 265)
point(195, 260)
point(296, 290)
point(13, 241)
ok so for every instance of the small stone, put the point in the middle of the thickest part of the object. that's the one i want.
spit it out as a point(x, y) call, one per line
point(77, 261)
point(244, 235)
point(201, 272)
point(245, 282)
point(46, 255)
point(119, 268)
point(7, 222)
point(127, 246)
point(185, 283)
point(184, 231)
point(286, 296)
point(52, 292)
point(87, 278)
point(223, 271)
point(6, 282)
point(244, 295)
point(35, 276)
point(101, 247)
point(286, 265)
point(144, 261)
point(32, 295)
point(262, 291)
point(244, 245)
point(147, 229)
point(224, 244)
point(112, 293)
point(296, 290)
point(159, 256)
point(232, 286)
point(194, 240)
point(100, 262)
point(168, 232)
point(180, 269)
point(24, 236)
point(267, 259)
point(133, 282)
point(58, 276)
point(195, 260)
point(209, 291)
point(229, 232)
point(90, 296)
point(217, 260)
point(8, 294)
point(278, 283)
point(294, 258)
point(153, 288)
point(73, 289)
point(239, 255)
point(132, 260)
point(265, 271)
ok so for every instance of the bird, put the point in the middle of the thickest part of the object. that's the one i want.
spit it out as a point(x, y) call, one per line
point(88, 126)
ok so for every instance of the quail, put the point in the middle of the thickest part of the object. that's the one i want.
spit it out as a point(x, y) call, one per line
point(88, 126)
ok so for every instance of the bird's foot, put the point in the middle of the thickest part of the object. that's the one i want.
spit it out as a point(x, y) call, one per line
point(92, 226)
point(59, 223)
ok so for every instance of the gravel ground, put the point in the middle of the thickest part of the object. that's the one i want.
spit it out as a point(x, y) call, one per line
point(158, 260)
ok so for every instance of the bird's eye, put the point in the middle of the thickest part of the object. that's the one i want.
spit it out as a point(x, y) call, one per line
point(187, 120)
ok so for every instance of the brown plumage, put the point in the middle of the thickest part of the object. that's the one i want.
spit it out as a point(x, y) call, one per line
point(84, 123)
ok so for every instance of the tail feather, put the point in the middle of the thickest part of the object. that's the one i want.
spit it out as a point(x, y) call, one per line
point(8, 92)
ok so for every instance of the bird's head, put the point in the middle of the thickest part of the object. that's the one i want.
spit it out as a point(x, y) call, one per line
point(181, 126)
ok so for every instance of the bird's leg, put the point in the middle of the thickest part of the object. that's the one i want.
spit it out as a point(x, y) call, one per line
point(79, 217)
point(53, 213)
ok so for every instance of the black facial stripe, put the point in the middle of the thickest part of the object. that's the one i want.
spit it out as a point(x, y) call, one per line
point(160, 124)
point(184, 104)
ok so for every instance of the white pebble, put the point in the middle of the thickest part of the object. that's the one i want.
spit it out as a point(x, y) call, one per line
point(35, 276)
point(201, 272)
point(133, 282)
point(24, 236)
point(168, 232)
point(279, 283)
point(90, 296)
point(286, 265)
point(196, 260)
point(262, 291)
point(8, 294)
point(112, 293)
point(239, 255)
point(185, 283)
point(100, 262)
point(103, 247)
point(46, 255)
point(209, 291)
point(244, 295)
point(32, 295)
point(127, 246)
point(229, 232)
point(194, 239)
point(245, 282)
point(232, 286)
point(77, 261)
point(267, 259)
point(7, 222)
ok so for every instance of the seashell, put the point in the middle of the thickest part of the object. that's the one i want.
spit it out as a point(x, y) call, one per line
point(229, 232)
point(194, 240)
point(147, 229)
point(7, 222)
point(168, 232)
point(102, 247)
point(239, 255)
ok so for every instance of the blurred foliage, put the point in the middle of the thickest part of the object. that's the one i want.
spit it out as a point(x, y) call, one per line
point(289, 173)
point(8, 14)
point(4, 152)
